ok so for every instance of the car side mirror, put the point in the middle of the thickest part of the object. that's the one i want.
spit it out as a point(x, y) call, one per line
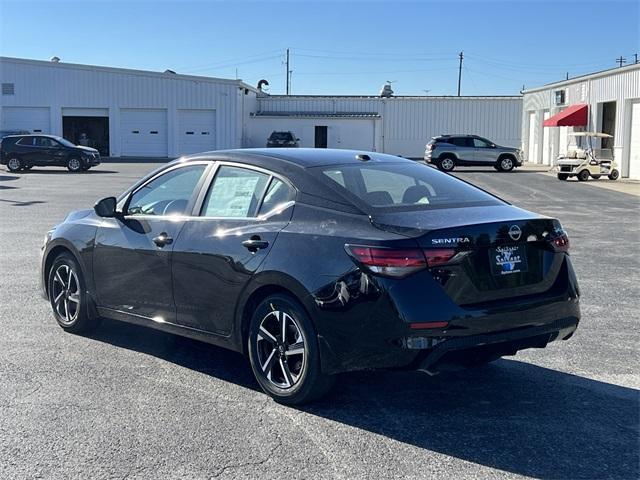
point(106, 207)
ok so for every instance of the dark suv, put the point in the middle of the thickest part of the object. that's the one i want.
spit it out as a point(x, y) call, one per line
point(283, 139)
point(21, 152)
point(447, 151)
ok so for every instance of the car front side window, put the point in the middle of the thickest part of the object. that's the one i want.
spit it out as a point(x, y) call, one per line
point(168, 194)
point(478, 143)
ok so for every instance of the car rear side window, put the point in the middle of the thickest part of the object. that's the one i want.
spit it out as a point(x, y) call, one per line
point(278, 194)
point(235, 193)
point(405, 186)
point(168, 194)
point(459, 142)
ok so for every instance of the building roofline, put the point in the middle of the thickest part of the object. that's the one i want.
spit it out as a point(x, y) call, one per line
point(581, 78)
point(423, 97)
point(126, 71)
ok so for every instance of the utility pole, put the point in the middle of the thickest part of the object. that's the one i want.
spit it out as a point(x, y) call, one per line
point(288, 72)
point(567, 78)
point(620, 60)
point(460, 72)
point(635, 55)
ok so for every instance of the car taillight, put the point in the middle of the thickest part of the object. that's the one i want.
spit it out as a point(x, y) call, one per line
point(439, 256)
point(398, 263)
point(560, 242)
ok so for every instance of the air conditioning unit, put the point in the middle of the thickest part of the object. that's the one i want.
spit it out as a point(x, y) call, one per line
point(559, 94)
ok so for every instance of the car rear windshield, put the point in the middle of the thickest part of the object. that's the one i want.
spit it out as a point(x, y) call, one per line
point(404, 187)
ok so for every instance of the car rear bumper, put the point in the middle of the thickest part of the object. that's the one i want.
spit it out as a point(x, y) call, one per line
point(454, 352)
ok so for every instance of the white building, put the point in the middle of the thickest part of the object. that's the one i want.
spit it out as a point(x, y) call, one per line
point(124, 112)
point(607, 101)
point(396, 125)
point(149, 114)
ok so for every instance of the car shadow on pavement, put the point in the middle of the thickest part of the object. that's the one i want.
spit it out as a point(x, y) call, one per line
point(510, 415)
point(192, 354)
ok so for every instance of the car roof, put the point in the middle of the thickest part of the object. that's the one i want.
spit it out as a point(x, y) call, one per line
point(34, 135)
point(301, 157)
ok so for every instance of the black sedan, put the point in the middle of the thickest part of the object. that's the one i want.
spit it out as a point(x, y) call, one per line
point(315, 262)
point(23, 152)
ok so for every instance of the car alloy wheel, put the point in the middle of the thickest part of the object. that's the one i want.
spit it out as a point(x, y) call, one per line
point(447, 164)
point(506, 164)
point(281, 351)
point(14, 164)
point(65, 294)
point(74, 165)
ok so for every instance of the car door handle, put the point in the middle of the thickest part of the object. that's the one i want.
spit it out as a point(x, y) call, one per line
point(255, 243)
point(162, 240)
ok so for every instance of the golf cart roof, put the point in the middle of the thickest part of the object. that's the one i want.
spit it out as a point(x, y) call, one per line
point(591, 134)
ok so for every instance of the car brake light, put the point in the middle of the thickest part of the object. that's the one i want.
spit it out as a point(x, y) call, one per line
point(398, 263)
point(560, 242)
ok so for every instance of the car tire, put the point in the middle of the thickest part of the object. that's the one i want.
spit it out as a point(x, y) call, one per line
point(75, 165)
point(506, 164)
point(287, 366)
point(583, 176)
point(614, 175)
point(563, 176)
point(446, 163)
point(14, 165)
point(68, 296)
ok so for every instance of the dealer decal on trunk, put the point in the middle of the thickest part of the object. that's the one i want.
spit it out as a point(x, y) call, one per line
point(508, 259)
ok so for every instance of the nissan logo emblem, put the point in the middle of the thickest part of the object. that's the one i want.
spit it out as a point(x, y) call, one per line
point(515, 233)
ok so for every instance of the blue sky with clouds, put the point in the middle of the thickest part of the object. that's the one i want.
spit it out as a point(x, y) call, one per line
point(345, 48)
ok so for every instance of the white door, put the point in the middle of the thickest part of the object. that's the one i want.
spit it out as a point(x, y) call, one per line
point(532, 154)
point(546, 144)
point(143, 132)
point(32, 119)
point(634, 142)
point(196, 131)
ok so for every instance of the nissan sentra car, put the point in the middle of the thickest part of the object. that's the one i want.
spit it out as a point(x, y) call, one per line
point(313, 262)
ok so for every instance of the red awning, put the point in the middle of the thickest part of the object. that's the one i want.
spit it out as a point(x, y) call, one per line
point(572, 116)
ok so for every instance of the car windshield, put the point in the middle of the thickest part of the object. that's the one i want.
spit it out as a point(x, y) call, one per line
point(280, 136)
point(404, 187)
point(65, 142)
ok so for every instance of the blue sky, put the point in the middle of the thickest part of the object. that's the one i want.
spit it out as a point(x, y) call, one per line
point(347, 48)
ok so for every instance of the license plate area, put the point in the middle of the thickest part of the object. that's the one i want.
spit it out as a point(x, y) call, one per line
point(508, 259)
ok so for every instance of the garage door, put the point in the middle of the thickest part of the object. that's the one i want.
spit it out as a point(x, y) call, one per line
point(546, 144)
point(196, 131)
point(33, 119)
point(532, 154)
point(143, 132)
point(634, 143)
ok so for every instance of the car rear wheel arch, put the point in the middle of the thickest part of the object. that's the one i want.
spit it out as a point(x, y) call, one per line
point(256, 296)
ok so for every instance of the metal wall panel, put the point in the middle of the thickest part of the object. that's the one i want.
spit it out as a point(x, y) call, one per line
point(58, 86)
point(408, 123)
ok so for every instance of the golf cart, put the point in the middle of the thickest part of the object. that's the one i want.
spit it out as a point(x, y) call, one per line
point(585, 161)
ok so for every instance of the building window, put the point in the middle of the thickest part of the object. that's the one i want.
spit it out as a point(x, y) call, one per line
point(559, 97)
point(8, 89)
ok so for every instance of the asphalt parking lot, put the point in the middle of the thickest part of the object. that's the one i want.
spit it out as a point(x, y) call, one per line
point(127, 402)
